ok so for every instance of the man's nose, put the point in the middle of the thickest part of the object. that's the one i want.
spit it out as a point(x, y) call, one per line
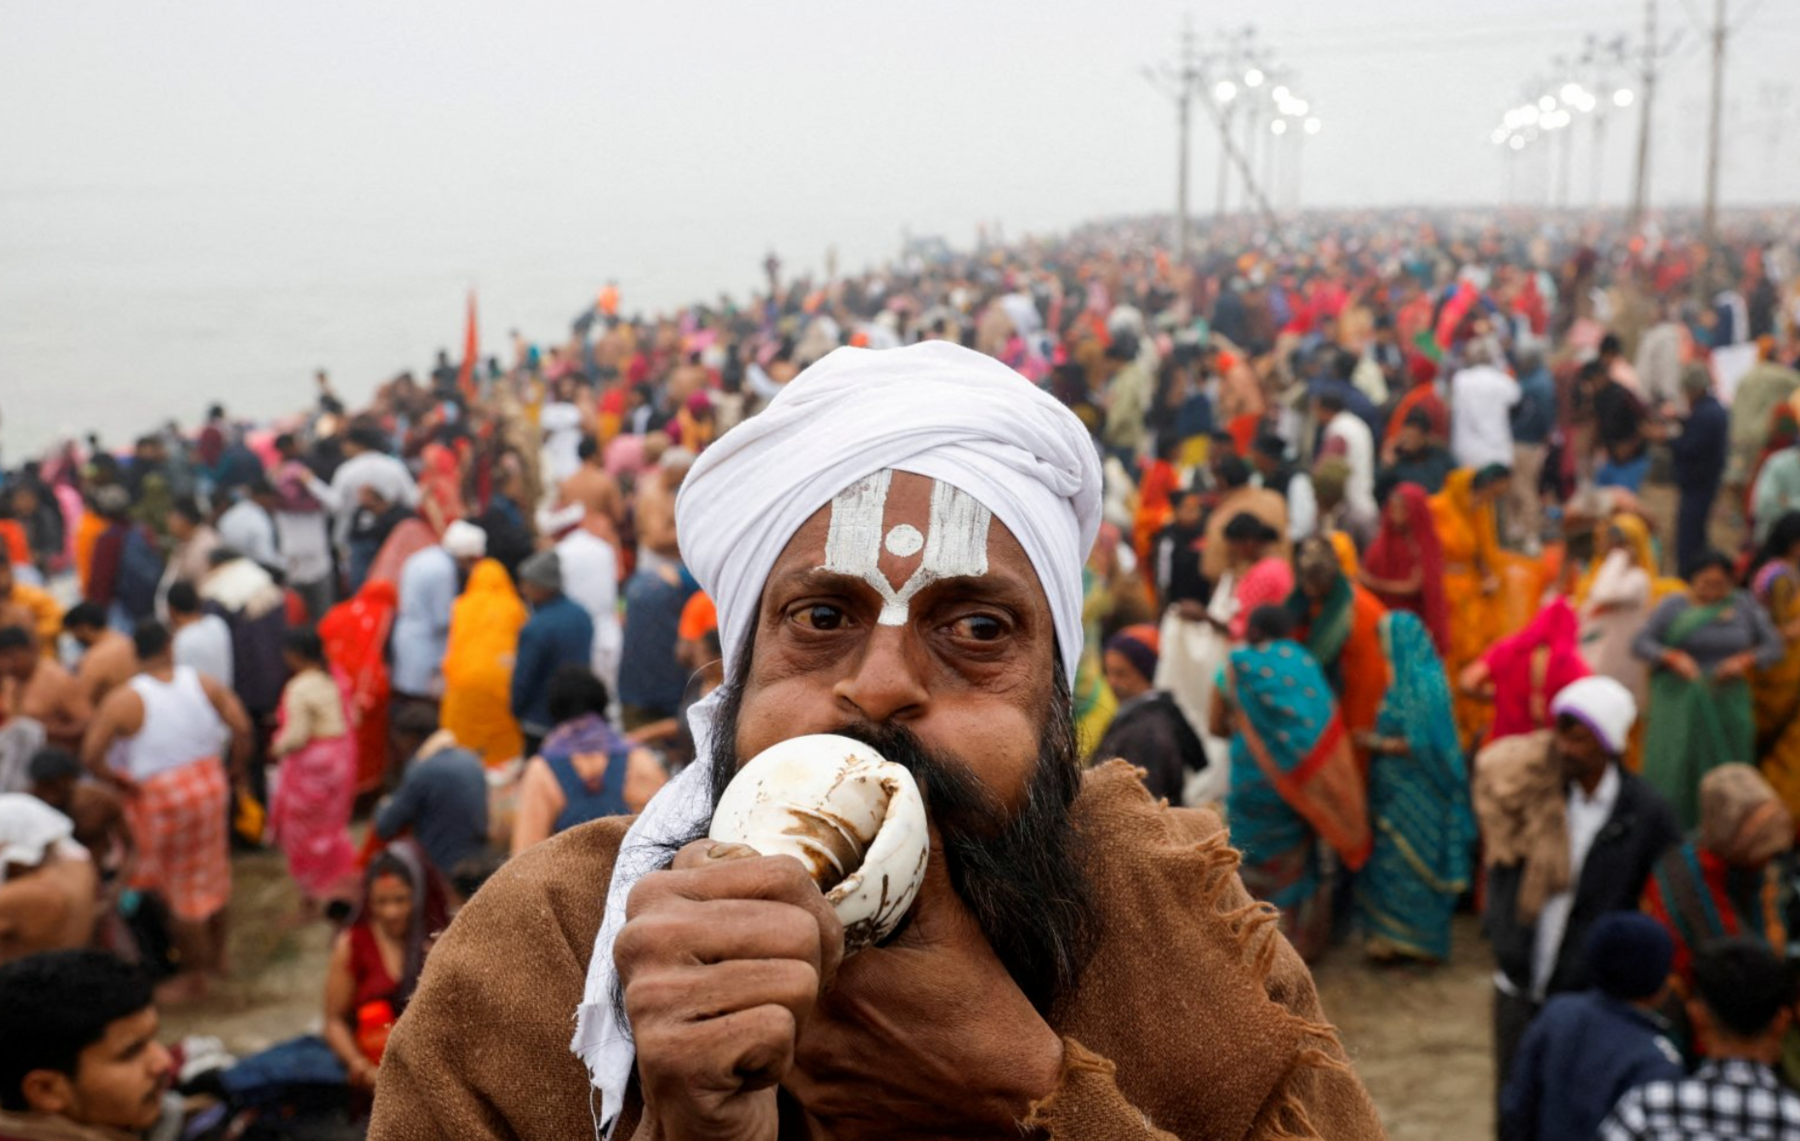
point(886, 681)
point(162, 1063)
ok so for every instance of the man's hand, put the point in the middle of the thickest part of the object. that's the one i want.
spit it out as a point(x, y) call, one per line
point(722, 959)
point(926, 1037)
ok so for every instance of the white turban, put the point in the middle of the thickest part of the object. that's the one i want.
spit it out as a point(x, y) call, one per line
point(464, 540)
point(30, 830)
point(933, 409)
point(1603, 705)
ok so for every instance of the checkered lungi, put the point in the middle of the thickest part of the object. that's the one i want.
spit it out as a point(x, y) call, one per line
point(178, 820)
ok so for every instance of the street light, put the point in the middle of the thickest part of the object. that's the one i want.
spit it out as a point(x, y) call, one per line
point(1547, 103)
point(1571, 93)
point(1225, 91)
point(1517, 142)
point(1281, 94)
point(1253, 77)
point(1313, 126)
point(1278, 127)
point(1623, 97)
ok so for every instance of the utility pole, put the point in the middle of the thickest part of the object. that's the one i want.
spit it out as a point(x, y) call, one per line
point(1180, 83)
point(1640, 186)
point(1711, 215)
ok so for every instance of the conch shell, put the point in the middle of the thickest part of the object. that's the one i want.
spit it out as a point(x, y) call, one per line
point(853, 818)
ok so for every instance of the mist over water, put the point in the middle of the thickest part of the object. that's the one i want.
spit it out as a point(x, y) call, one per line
point(207, 201)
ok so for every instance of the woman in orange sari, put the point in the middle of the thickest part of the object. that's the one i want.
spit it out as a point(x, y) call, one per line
point(478, 665)
point(355, 634)
point(1494, 592)
point(1339, 623)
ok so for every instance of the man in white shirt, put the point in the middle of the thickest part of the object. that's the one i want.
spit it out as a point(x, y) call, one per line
point(1347, 435)
point(590, 571)
point(369, 466)
point(1481, 401)
point(248, 527)
point(1568, 836)
point(429, 582)
point(202, 640)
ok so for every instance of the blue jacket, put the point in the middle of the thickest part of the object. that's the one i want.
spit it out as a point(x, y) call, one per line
point(559, 634)
point(1699, 452)
point(1578, 1057)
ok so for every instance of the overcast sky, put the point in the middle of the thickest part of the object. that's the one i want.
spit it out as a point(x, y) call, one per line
point(213, 151)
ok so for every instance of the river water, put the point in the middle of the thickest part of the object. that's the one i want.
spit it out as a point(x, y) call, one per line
point(123, 305)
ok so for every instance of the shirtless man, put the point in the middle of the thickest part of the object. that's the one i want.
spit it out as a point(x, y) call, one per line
point(107, 659)
point(595, 489)
point(37, 687)
point(656, 509)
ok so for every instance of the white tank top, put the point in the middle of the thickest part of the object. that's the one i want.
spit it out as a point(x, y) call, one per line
point(180, 725)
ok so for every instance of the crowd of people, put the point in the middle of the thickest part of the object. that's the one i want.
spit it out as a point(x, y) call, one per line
point(1456, 562)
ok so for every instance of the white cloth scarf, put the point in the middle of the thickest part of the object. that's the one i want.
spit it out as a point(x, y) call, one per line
point(933, 409)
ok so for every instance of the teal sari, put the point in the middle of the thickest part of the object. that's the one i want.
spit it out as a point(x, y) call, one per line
point(1418, 804)
point(1293, 782)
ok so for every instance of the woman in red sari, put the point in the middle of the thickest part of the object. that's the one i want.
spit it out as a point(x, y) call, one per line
point(355, 634)
point(440, 487)
point(1524, 672)
point(1404, 566)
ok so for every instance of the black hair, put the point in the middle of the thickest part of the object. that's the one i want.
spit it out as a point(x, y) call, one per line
point(285, 441)
point(1610, 345)
point(150, 638)
point(260, 485)
point(1490, 475)
point(216, 412)
point(67, 999)
point(1417, 418)
point(415, 719)
point(590, 447)
point(51, 763)
point(84, 615)
point(188, 508)
point(1268, 623)
point(1269, 444)
point(183, 598)
point(1232, 471)
point(304, 642)
point(1247, 528)
point(575, 692)
point(15, 638)
point(1784, 535)
point(1742, 984)
point(1330, 400)
point(1710, 559)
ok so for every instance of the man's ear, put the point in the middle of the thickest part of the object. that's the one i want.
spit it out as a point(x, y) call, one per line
point(48, 1091)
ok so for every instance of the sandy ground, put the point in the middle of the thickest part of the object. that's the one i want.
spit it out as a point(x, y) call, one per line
point(1419, 1036)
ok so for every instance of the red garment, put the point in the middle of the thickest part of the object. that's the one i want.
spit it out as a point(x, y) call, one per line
point(1532, 667)
point(1425, 399)
point(1400, 550)
point(373, 983)
point(18, 551)
point(109, 553)
point(355, 634)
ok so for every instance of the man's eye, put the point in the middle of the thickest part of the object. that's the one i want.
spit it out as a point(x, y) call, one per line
point(821, 617)
point(979, 627)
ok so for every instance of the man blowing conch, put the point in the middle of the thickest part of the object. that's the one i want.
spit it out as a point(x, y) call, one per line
point(895, 547)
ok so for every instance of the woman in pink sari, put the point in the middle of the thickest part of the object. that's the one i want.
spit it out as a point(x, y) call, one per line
point(1522, 673)
point(1264, 577)
point(317, 783)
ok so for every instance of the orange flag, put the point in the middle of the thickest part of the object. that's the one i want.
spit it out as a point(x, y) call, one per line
point(465, 379)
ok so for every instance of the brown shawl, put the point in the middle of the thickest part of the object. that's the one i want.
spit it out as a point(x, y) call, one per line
point(1196, 1019)
point(1520, 803)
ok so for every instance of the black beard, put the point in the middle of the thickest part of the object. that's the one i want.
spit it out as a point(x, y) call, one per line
point(1020, 875)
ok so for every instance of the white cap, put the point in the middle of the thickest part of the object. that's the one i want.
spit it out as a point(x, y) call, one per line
point(1603, 705)
point(465, 540)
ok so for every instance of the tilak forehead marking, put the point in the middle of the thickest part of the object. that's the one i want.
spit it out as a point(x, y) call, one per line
point(955, 542)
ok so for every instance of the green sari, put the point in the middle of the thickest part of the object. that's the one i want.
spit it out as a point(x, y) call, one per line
point(1692, 727)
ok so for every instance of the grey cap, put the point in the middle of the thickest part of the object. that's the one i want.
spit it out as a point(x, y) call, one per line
point(543, 569)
